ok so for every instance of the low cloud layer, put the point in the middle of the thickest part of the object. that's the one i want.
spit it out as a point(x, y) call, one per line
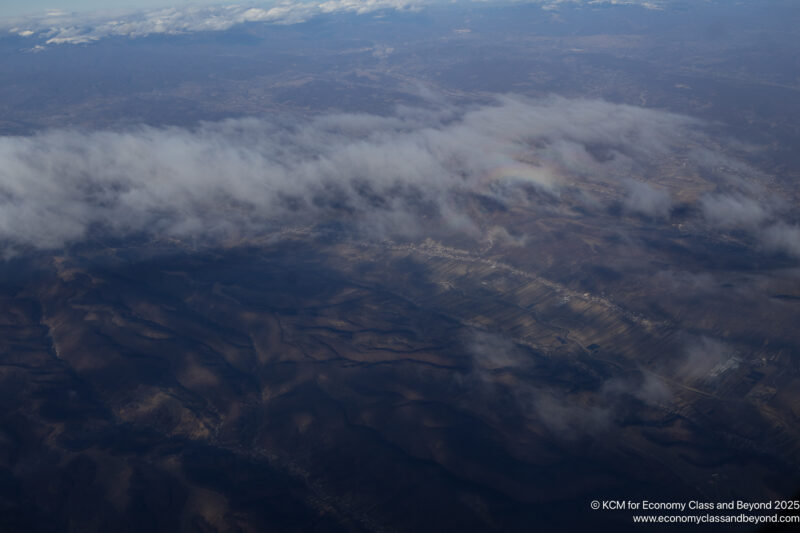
point(391, 175)
point(387, 176)
point(58, 27)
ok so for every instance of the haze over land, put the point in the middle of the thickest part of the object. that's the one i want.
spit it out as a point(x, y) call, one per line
point(312, 266)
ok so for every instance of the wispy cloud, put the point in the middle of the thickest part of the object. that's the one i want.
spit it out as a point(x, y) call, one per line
point(644, 199)
point(733, 210)
point(783, 237)
point(491, 352)
point(567, 413)
point(756, 211)
point(705, 358)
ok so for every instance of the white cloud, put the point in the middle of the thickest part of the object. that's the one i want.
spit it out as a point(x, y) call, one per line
point(645, 199)
point(61, 28)
point(647, 4)
point(733, 210)
point(760, 214)
point(245, 177)
point(398, 175)
point(58, 27)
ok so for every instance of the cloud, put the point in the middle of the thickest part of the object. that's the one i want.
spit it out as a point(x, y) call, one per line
point(389, 176)
point(552, 5)
point(61, 28)
point(58, 27)
point(403, 175)
point(704, 358)
point(569, 419)
point(782, 237)
point(565, 412)
point(571, 415)
point(494, 355)
point(644, 199)
point(756, 212)
point(493, 352)
point(643, 386)
point(733, 211)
